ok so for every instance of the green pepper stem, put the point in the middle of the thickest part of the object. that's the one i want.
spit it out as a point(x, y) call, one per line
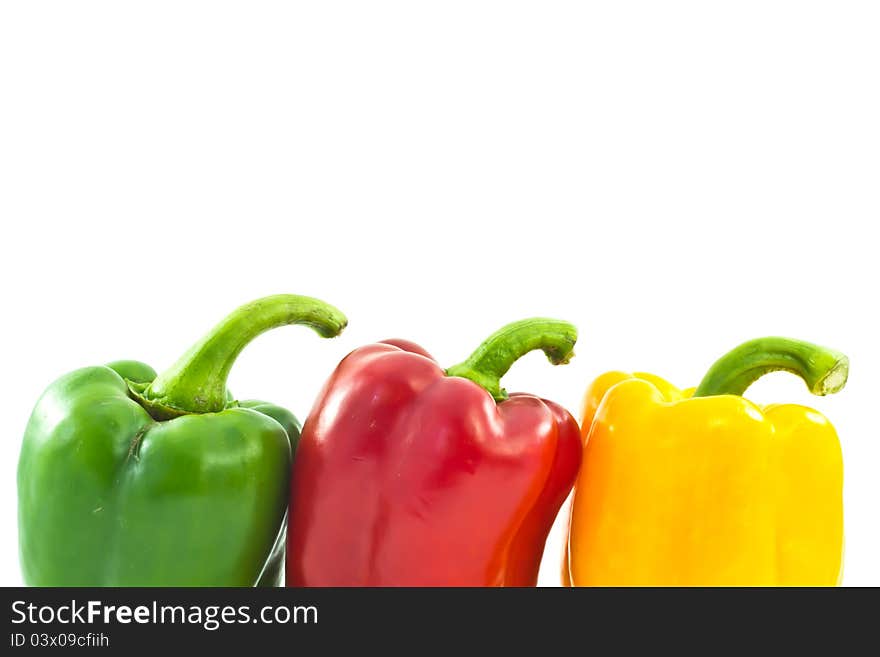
point(502, 349)
point(823, 370)
point(196, 383)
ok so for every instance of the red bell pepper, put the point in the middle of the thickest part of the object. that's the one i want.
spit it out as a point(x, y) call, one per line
point(409, 475)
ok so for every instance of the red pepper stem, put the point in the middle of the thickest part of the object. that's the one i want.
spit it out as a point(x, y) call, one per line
point(197, 382)
point(823, 370)
point(502, 349)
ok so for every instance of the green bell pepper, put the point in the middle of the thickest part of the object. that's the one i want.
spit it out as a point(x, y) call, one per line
point(126, 478)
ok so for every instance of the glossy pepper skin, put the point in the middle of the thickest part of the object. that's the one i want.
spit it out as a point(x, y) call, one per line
point(704, 488)
point(129, 479)
point(409, 475)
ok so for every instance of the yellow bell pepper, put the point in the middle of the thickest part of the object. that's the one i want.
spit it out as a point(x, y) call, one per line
point(702, 487)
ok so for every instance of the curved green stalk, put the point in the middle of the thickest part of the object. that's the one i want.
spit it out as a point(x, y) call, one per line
point(823, 370)
point(196, 383)
point(494, 357)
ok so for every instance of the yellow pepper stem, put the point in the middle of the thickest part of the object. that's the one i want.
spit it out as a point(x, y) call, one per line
point(823, 370)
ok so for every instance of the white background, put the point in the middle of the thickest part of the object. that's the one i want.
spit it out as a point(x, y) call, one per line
point(673, 177)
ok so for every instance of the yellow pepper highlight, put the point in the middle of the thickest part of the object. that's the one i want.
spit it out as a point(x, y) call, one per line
point(710, 490)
